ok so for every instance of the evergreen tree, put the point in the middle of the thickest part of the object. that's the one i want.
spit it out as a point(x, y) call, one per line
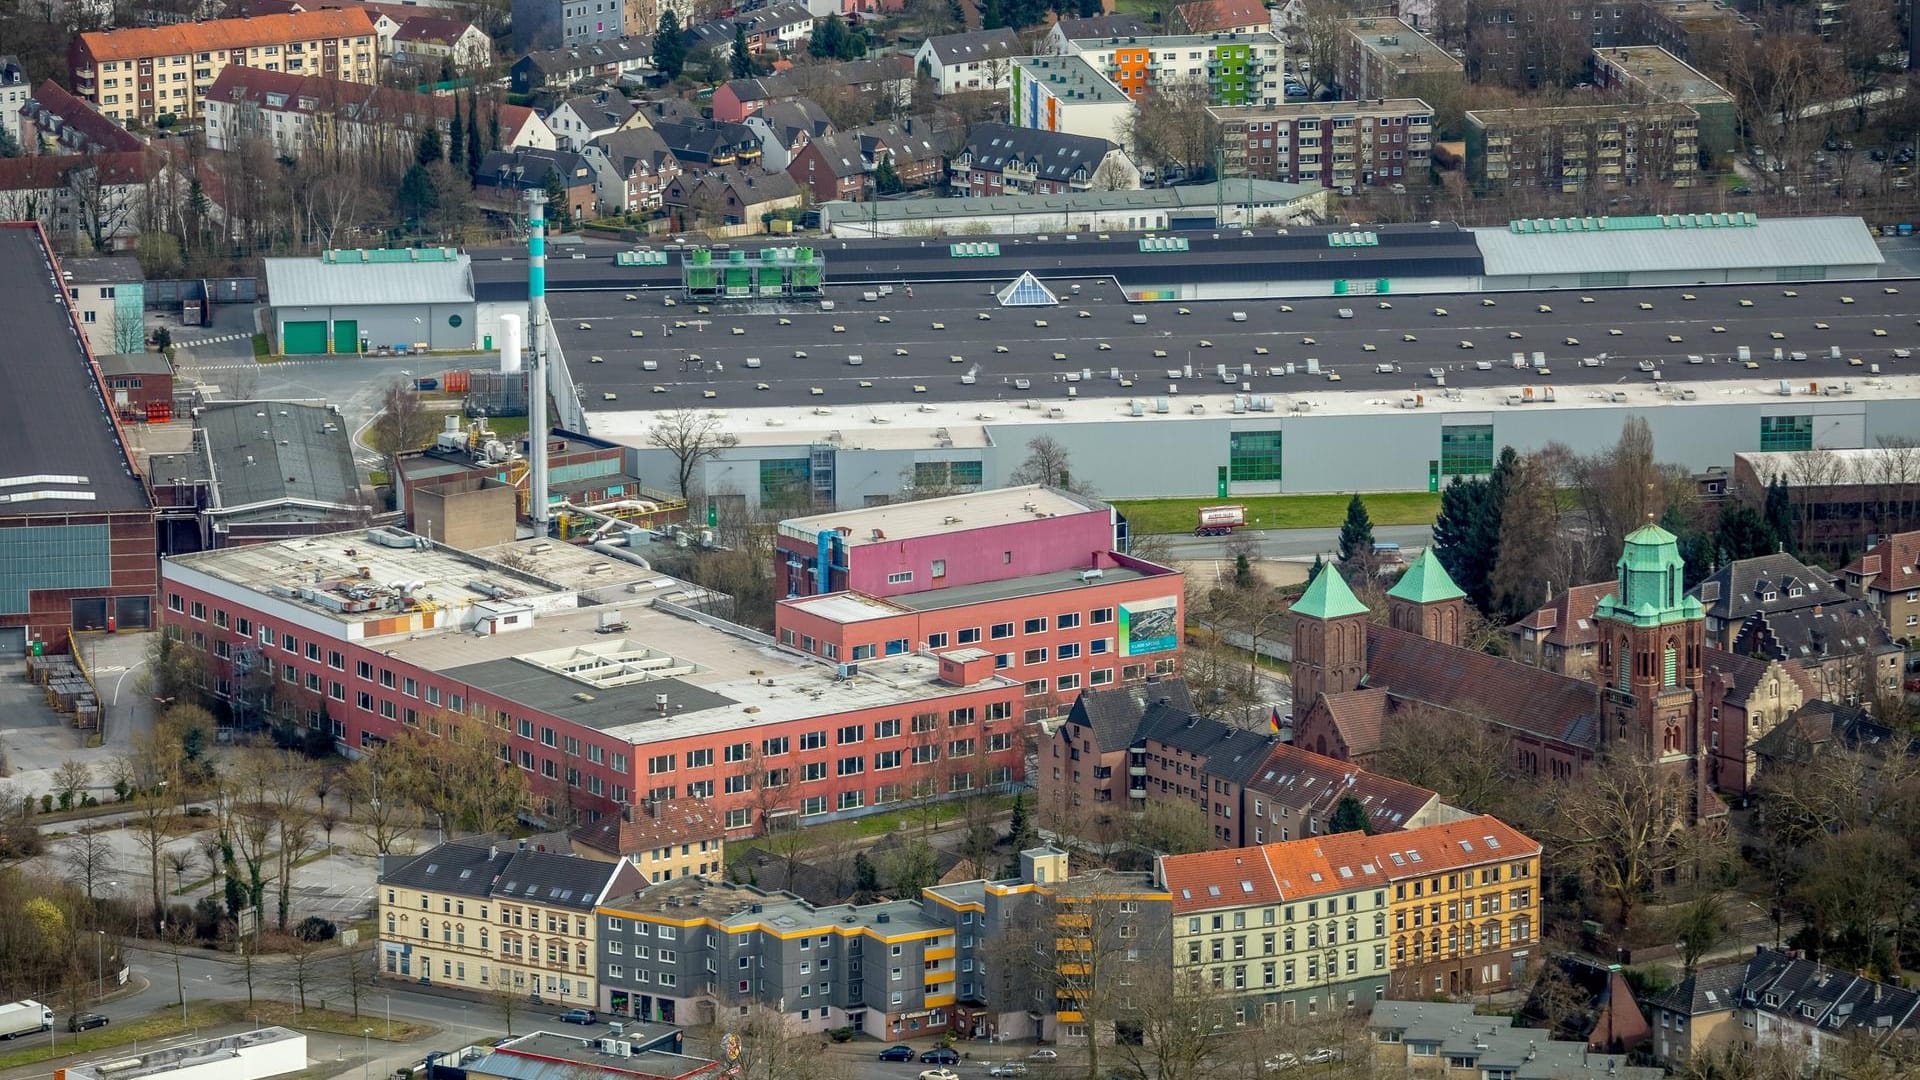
point(456, 136)
point(1743, 534)
point(474, 153)
point(742, 58)
point(559, 216)
point(957, 13)
point(885, 180)
point(493, 128)
point(1349, 816)
point(416, 197)
point(828, 34)
point(429, 149)
point(1242, 572)
point(1020, 831)
point(1780, 515)
point(9, 148)
point(1696, 545)
point(1087, 9)
point(866, 879)
point(992, 16)
point(1313, 571)
point(669, 47)
point(1466, 535)
point(1356, 534)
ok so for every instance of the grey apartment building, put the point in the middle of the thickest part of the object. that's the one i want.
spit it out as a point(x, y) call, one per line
point(689, 951)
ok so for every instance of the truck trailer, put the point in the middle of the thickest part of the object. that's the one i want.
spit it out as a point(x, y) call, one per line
point(1220, 520)
point(24, 1018)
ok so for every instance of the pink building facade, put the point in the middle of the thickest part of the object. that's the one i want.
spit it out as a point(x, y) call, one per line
point(960, 540)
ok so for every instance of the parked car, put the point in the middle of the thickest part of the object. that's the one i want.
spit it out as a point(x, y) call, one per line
point(1008, 1068)
point(940, 1055)
point(1280, 1061)
point(1322, 1056)
point(85, 1021)
point(576, 1016)
point(939, 1074)
point(1913, 685)
point(1044, 1054)
point(902, 1052)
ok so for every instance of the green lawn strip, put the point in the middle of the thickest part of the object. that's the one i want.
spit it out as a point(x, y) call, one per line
point(260, 347)
point(1149, 517)
point(167, 1023)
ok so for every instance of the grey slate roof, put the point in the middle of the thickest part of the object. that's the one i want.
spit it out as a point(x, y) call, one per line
point(103, 270)
point(637, 146)
point(540, 877)
point(1782, 242)
point(465, 869)
point(1708, 990)
point(268, 452)
point(1052, 155)
point(602, 110)
point(1114, 714)
point(790, 119)
point(1813, 635)
point(975, 45)
point(526, 169)
point(1739, 588)
point(308, 282)
point(1101, 26)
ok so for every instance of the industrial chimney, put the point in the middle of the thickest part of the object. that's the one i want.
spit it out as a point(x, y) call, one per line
point(537, 368)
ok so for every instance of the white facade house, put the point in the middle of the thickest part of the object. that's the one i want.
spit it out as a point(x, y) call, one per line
point(963, 63)
point(14, 91)
point(579, 120)
point(295, 114)
point(424, 42)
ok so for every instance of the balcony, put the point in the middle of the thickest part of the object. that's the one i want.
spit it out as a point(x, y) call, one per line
point(944, 952)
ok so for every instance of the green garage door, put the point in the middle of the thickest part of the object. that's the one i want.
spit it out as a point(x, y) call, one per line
point(303, 338)
point(346, 336)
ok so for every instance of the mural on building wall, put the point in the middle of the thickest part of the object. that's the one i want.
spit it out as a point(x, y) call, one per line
point(1150, 626)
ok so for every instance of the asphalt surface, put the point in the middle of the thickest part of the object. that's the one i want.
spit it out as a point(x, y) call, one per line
point(908, 343)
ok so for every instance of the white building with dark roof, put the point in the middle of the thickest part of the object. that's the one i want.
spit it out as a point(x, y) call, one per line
point(963, 63)
point(1000, 159)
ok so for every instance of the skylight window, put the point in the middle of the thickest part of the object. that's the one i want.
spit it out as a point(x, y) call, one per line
point(1246, 887)
point(1491, 842)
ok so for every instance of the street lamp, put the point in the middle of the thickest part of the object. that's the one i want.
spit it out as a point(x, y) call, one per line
point(99, 963)
point(366, 1051)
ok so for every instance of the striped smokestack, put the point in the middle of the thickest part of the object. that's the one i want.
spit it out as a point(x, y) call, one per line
point(537, 361)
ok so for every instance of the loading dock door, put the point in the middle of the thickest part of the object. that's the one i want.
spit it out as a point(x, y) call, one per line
point(304, 338)
point(346, 336)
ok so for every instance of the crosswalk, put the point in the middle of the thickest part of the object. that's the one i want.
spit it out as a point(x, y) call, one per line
point(213, 340)
point(255, 365)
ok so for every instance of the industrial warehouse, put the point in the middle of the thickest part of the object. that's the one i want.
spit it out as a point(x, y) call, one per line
point(1258, 361)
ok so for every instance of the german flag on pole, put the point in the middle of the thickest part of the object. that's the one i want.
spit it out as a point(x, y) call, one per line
point(1273, 720)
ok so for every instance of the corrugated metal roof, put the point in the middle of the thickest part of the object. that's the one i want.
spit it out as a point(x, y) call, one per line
point(1238, 193)
point(1810, 241)
point(309, 282)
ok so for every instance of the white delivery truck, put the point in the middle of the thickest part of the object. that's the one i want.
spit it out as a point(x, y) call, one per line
point(24, 1018)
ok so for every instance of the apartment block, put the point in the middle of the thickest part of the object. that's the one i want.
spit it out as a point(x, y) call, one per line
point(602, 700)
point(493, 919)
point(1649, 73)
point(1567, 148)
point(1340, 921)
point(1336, 144)
point(1237, 68)
point(1885, 577)
point(1702, 32)
point(1385, 58)
point(1067, 93)
point(144, 73)
point(297, 114)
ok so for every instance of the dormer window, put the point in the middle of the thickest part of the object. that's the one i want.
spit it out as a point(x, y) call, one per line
point(1770, 597)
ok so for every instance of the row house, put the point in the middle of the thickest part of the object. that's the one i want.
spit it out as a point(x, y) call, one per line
point(378, 635)
point(605, 61)
point(145, 73)
point(775, 28)
point(730, 196)
point(888, 80)
point(296, 114)
point(1341, 921)
point(493, 920)
point(702, 144)
point(1336, 144)
point(632, 169)
point(785, 128)
point(580, 119)
point(843, 165)
point(506, 176)
point(54, 121)
point(1000, 159)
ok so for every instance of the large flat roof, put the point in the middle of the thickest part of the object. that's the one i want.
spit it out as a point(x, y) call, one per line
point(895, 522)
point(1072, 79)
point(1031, 585)
point(1174, 41)
point(569, 665)
point(207, 1053)
point(741, 907)
point(1410, 50)
point(1300, 109)
point(61, 446)
point(1237, 192)
point(545, 1055)
point(1664, 74)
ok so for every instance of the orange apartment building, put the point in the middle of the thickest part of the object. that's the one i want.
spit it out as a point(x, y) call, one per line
point(144, 73)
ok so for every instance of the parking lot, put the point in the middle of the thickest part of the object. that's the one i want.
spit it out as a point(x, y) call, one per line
point(953, 342)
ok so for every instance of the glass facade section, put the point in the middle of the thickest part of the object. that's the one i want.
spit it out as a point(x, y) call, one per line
point(1253, 455)
point(1786, 433)
point(1466, 450)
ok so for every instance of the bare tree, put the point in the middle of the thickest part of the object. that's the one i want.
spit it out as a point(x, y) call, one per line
point(693, 437)
point(1048, 463)
point(1466, 761)
point(71, 778)
point(404, 423)
point(89, 859)
point(1620, 827)
point(379, 798)
point(1171, 126)
point(153, 769)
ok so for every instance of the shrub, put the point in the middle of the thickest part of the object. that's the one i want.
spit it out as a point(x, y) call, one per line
point(66, 800)
point(122, 790)
point(841, 1034)
point(46, 804)
point(313, 928)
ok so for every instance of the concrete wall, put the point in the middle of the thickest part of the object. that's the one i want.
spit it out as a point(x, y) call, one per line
point(1389, 450)
point(467, 514)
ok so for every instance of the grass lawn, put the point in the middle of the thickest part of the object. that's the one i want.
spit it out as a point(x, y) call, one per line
point(504, 426)
point(1155, 516)
point(168, 1023)
point(260, 347)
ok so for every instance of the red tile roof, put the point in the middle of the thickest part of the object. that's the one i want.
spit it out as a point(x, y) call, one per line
point(40, 173)
point(1893, 565)
point(84, 118)
point(1361, 717)
point(1567, 619)
point(667, 824)
point(1299, 869)
point(1541, 703)
point(219, 34)
point(1206, 16)
point(373, 104)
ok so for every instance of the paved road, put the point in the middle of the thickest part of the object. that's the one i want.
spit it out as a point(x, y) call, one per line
point(780, 354)
point(1293, 543)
